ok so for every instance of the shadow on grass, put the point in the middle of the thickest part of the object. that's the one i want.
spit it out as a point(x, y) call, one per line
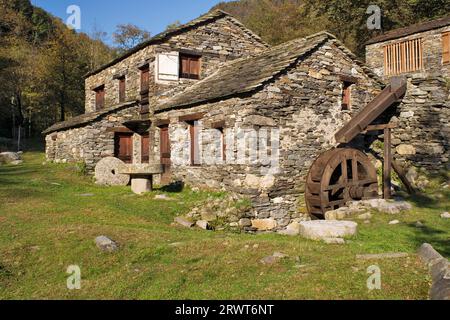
point(175, 187)
point(433, 236)
point(422, 200)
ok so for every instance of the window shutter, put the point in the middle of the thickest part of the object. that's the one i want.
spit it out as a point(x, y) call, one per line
point(168, 66)
point(446, 47)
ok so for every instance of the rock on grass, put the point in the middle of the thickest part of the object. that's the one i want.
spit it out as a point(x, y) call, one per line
point(321, 230)
point(105, 244)
point(184, 222)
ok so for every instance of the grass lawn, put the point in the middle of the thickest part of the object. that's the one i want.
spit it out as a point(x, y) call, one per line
point(46, 224)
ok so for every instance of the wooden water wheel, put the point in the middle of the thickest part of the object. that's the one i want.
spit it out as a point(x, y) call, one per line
point(339, 176)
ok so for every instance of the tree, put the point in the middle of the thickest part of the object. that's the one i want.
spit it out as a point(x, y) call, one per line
point(65, 69)
point(93, 46)
point(128, 36)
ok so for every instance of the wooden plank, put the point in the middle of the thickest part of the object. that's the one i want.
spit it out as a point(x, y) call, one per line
point(192, 117)
point(385, 60)
point(387, 184)
point(421, 54)
point(162, 122)
point(446, 47)
point(120, 130)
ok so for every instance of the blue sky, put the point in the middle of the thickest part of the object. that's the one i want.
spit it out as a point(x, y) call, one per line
point(151, 15)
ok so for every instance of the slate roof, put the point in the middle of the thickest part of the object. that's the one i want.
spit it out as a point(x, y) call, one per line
point(83, 119)
point(415, 28)
point(163, 36)
point(247, 74)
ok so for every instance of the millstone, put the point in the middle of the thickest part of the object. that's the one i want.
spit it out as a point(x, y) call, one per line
point(107, 172)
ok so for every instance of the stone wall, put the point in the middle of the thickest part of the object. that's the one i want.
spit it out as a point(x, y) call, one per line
point(217, 41)
point(304, 104)
point(423, 124)
point(91, 142)
point(432, 50)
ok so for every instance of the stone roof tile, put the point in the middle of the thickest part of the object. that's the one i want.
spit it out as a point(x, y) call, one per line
point(83, 119)
point(247, 74)
point(210, 16)
point(410, 30)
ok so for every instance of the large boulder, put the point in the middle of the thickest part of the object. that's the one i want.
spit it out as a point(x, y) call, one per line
point(10, 158)
point(324, 230)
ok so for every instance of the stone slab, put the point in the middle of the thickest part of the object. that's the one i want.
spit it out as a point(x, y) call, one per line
point(322, 229)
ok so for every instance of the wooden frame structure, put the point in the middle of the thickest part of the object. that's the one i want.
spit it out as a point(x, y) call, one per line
point(362, 123)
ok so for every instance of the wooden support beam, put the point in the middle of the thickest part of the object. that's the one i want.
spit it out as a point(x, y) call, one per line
point(378, 127)
point(192, 117)
point(120, 130)
point(387, 165)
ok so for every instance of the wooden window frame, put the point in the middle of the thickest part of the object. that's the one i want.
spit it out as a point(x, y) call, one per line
point(446, 47)
point(403, 57)
point(224, 143)
point(145, 83)
point(122, 89)
point(117, 137)
point(100, 94)
point(190, 58)
point(346, 95)
point(194, 143)
point(145, 89)
point(145, 154)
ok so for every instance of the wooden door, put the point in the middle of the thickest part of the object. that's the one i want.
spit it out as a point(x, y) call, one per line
point(145, 148)
point(123, 148)
point(164, 143)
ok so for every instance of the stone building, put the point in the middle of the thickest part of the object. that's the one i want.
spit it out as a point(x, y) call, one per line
point(421, 53)
point(220, 109)
point(121, 95)
point(291, 98)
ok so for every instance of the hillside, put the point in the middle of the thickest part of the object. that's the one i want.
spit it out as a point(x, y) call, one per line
point(278, 21)
point(42, 68)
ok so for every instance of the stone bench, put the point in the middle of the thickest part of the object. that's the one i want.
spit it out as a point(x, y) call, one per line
point(141, 176)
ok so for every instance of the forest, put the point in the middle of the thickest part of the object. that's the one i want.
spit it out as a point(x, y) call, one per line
point(43, 62)
point(277, 21)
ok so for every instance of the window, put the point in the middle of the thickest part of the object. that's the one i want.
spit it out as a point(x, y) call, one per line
point(403, 57)
point(223, 143)
point(123, 146)
point(99, 97)
point(446, 47)
point(189, 66)
point(145, 88)
point(122, 89)
point(346, 95)
point(167, 66)
point(145, 78)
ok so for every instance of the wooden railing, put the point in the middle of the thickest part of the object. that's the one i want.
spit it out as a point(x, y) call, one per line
point(403, 57)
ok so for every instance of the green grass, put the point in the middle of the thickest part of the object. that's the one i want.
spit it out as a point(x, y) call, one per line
point(45, 226)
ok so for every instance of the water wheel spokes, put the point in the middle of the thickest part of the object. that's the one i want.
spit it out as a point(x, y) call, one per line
point(339, 176)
